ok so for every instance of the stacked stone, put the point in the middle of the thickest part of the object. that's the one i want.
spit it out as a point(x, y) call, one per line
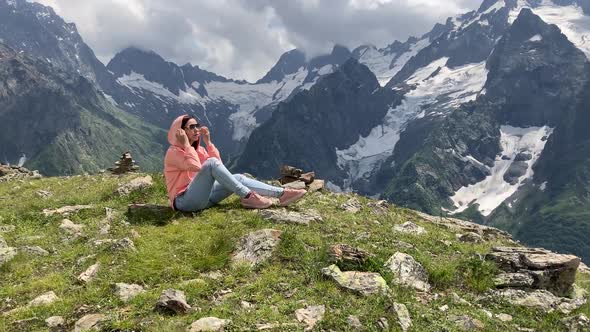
point(126, 164)
point(295, 178)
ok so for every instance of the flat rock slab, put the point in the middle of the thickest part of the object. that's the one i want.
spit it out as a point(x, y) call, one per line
point(365, 283)
point(209, 324)
point(514, 280)
point(550, 271)
point(290, 217)
point(408, 271)
point(90, 322)
point(409, 228)
point(173, 301)
point(316, 185)
point(126, 292)
point(66, 210)
point(44, 299)
point(55, 321)
point(136, 184)
point(462, 226)
point(539, 299)
point(256, 247)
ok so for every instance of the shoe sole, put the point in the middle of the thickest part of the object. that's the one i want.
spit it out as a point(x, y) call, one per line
point(292, 200)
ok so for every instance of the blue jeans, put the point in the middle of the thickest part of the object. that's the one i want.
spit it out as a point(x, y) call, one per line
point(214, 183)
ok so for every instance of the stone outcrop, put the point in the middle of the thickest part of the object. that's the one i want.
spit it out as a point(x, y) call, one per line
point(365, 283)
point(408, 271)
point(256, 247)
point(126, 164)
point(539, 299)
point(462, 226)
point(550, 271)
point(13, 172)
point(173, 301)
point(44, 299)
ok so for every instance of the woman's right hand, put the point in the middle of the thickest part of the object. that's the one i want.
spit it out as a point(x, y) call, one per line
point(182, 138)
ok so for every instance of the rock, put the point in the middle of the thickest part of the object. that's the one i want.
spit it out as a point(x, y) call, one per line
point(70, 228)
point(365, 283)
point(277, 326)
point(460, 300)
point(310, 316)
point(90, 273)
point(354, 322)
point(353, 205)
point(467, 323)
point(470, 237)
point(402, 245)
point(408, 271)
point(7, 228)
point(66, 210)
point(487, 313)
point(34, 250)
point(577, 323)
point(403, 316)
point(409, 228)
point(89, 323)
point(348, 254)
point(172, 300)
point(140, 213)
point(136, 184)
point(44, 194)
point(7, 254)
point(290, 217)
point(134, 234)
point(378, 207)
point(538, 299)
point(55, 322)
point(444, 308)
point(246, 305)
point(462, 226)
point(550, 271)
point(295, 185)
point(316, 185)
point(3, 243)
point(568, 305)
point(583, 268)
point(514, 280)
point(504, 317)
point(123, 244)
point(126, 292)
point(523, 156)
point(516, 170)
point(256, 247)
point(383, 324)
point(215, 275)
point(44, 299)
point(209, 324)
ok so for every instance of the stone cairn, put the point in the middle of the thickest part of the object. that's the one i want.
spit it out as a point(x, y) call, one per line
point(295, 178)
point(126, 164)
point(13, 172)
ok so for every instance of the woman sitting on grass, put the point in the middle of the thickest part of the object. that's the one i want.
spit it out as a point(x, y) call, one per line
point(196, 178)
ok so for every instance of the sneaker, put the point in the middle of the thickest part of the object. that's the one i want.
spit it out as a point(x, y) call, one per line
point(291, 195)
point(255, 201)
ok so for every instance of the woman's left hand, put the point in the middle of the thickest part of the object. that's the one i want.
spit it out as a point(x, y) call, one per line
point(206, 135)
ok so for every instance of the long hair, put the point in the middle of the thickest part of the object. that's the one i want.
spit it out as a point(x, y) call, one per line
point(183, 125)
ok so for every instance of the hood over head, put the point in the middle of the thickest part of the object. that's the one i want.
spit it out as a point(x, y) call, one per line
point(177, 124)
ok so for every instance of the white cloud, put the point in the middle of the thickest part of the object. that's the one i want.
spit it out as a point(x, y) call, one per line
point(244, 38)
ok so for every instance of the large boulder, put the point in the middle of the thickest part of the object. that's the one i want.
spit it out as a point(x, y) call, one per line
point(548, 270)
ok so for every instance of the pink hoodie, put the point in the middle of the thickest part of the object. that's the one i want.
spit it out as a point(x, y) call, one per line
point(182, 164)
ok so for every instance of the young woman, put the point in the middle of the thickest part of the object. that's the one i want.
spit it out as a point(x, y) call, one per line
point(196, 178)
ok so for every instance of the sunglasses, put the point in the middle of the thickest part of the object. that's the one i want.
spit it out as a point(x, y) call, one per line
point(194, 126)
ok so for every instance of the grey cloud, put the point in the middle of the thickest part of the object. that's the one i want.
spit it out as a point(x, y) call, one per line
point(244, 38)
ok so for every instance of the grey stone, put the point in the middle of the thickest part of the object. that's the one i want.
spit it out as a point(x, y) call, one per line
point(310, 316)
point(538, 299)
point(409, 228)
point(172, 300)
point(126, 292)
point(403, 316)
point(504, 317)
point(470, 237)
point(516, 170)
point(90, 322)
point(407, 271)
point(583, 268)
point(90, 273)
point(55, 322)
point(3, 243)
point(466, 323)
point(353, 205)
point(44, 299)
point(34, 250)
point(348, 254)
point(462, 226)
point(514, 280)
point(136, 184)
point(383, 324)
point(66, 210)
point(365, 283)
point(316, 185)
point(577, 323)
point(354, 322)
point(215, 275)
point(256, 247)
point(7, 228)
point(290, 217)
point(209, 324)
point(70, 228)
point(295, 185)
point(444, 308)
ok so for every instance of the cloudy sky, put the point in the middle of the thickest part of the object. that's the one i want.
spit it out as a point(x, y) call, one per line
point(243, 38)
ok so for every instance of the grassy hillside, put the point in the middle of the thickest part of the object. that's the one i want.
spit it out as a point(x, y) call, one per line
point(179, 252)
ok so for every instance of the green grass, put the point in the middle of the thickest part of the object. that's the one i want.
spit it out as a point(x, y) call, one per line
point(181, 247)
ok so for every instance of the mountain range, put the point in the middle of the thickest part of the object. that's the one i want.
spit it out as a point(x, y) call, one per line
point(482, 117)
